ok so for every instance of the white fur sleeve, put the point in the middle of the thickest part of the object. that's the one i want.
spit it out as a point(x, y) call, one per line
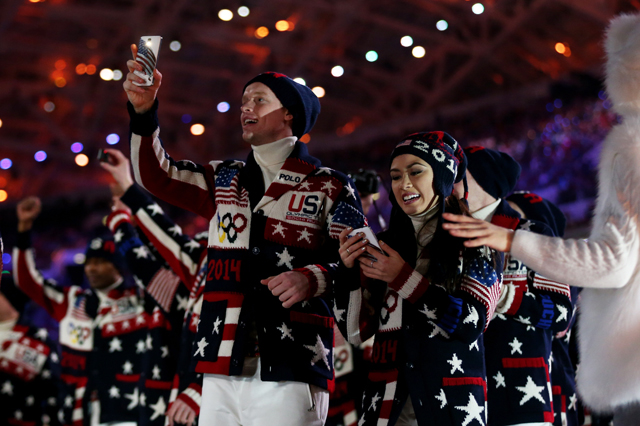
point(604, 262)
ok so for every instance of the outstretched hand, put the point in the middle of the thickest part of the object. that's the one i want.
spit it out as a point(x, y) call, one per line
point(141, 97)
point(351, 248)
point(478, 232)
point(290, 287)
point(120, 169)
point(28, 210)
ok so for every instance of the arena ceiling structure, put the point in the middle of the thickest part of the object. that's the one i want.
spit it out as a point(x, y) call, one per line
point(383, 66)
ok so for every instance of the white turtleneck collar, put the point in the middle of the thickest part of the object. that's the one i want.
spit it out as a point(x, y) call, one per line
point(270, 157)
point(486, 213)
point(103, 293)
point(425, 224)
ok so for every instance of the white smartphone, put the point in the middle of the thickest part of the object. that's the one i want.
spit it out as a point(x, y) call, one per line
point(148, 50)
point(369, 235)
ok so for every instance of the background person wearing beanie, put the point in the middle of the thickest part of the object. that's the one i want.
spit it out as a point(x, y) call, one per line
point(99, 329)
point(531, 308)
point(607, 265)
point(186, 257)
point(29, 363)
point(427, 303)
point(274, 223)
point(567, 410)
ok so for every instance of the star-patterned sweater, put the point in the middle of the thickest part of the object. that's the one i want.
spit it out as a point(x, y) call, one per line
point(255, 234)
point(428, 342)
point(188, 259)
point(29, 377)
point(531, 310)
point(98, 334)
point(163, 293)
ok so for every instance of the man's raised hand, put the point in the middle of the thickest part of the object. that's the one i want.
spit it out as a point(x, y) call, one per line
point(28, 210)
point(141, 97)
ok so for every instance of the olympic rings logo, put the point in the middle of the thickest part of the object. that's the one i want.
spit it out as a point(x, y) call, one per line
point(231, 226)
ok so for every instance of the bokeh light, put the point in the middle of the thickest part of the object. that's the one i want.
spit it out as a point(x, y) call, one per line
point(49, 106)
point(371, 56)
point(79, 258)
point(223, 107)
point(60, 82)
point(337, 71)
point(81, 69)
point(282, 25)
point(243, 11)
point(225, 15)
point(3, 197)
point(113, 139)
point(477, 8)
point(0, 123)
point(77, 147)
point(106, 74)
point(91, 69)
point(186, 118)
point(406, 41)
point(318, 91)
point(82, 160)
point(197, 129)
point(6, 258)
point(305, 138)
point(262, 32)
point(117, 75)
point(442, 25)
point(175, 45)
point(6, 163)
point(560, 48)
point(418, 52)
point(40, 156)
point(60, 64)
point(300, 80)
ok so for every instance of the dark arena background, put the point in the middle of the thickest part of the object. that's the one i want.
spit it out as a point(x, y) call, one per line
point(521, 76)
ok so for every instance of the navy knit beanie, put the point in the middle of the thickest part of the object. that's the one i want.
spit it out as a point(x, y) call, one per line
point(297, 98)
point(105, 248)
point(496, 172)
point(441, 152)
point(537, 208)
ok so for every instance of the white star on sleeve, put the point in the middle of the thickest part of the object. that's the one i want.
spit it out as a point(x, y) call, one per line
point(216, 325)
point(563, 313)
point(117, 237)
point(337, 313)
point(374, 402)
point(201, 345)
point(430, 313)
point(154, 209)
point(141, 252)
point(500, 380)
point(472, 317)
point(115, 345)
point(114, 392)
point(158, 408)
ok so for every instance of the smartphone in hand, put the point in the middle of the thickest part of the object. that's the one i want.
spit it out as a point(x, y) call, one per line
point(148, 51)
point(104, 156)
point(369, 235)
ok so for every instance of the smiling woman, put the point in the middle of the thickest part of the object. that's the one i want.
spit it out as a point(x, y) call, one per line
point(427, 301)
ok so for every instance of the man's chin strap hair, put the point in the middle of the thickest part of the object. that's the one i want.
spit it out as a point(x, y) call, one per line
point(297, 98)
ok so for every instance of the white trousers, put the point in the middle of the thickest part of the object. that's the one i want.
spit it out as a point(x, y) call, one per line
point(248, 401)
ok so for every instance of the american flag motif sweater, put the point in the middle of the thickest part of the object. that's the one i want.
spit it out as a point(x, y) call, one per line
point(518, 341)
point(29, 378)
point(165, 303)
point(94, 330)
point(428, 342)
point(255, 234)
point(187, 258)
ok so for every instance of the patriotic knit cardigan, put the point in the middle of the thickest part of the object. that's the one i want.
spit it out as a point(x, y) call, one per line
point(188, 260)
point(254, 235)
point(94, 329)
point(517, 343)
point(428, 342)
point(163, 296)
point(29, 377)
